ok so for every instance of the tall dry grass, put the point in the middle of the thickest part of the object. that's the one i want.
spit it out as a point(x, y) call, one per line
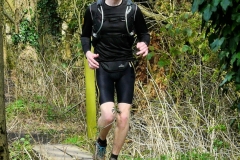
point(161, 127)
point(189, 118)
point(47, 94)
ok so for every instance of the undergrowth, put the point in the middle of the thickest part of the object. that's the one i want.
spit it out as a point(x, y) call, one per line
point(178, 113)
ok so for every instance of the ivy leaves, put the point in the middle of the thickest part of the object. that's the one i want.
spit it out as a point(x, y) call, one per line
point(196, 4)
point(225, 4)
point(209, 8)
point(215, 46)
point(27, 34)
point(221, 18)
point(48, 17)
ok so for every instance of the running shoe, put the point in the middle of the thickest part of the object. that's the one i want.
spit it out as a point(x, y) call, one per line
point(100, 152)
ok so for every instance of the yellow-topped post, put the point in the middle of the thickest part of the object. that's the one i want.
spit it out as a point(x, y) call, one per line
point(90, 101)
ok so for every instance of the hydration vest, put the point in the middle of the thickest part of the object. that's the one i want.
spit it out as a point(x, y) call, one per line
point(97, 15)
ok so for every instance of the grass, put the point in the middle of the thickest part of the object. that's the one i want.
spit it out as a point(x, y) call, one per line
point(173, 118)
point(21, 148)
point(160, 128)
point(76, 140)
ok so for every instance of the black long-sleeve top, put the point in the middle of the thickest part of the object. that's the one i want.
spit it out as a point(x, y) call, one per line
point(114, 48)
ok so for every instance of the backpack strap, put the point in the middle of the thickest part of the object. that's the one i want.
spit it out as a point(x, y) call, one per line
point(130, 15)
point(130, 8)
point(129, 2)
point(99, 2)
point(97, 9)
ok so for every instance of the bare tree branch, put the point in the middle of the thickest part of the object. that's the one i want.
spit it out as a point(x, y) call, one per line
point(9, 18)
point(146, 12)
point(10, 6)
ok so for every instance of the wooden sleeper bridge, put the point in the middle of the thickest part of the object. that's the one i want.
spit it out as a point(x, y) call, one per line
point(61, 152)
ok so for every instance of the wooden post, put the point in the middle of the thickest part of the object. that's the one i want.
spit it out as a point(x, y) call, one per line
point(90, 101)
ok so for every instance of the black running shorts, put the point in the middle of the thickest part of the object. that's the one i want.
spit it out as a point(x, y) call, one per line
point(122, 82)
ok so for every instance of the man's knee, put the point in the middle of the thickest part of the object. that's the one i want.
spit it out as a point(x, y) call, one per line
point(107, 114)
point(123, 120)
point(108, 118)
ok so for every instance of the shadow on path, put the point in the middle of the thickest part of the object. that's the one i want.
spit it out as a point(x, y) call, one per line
point(40, 138)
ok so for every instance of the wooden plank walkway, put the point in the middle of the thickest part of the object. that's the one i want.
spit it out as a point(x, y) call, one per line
point(61, 152)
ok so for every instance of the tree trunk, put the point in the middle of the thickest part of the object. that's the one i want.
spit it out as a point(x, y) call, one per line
point(4, 154)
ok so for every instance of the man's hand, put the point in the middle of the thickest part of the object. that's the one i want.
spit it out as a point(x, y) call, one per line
point(143, 49)
point(93, 64)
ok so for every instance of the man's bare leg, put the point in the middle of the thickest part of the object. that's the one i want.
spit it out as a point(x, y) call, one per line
point(104, 123)
point(106, 118)
point(122, 127)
